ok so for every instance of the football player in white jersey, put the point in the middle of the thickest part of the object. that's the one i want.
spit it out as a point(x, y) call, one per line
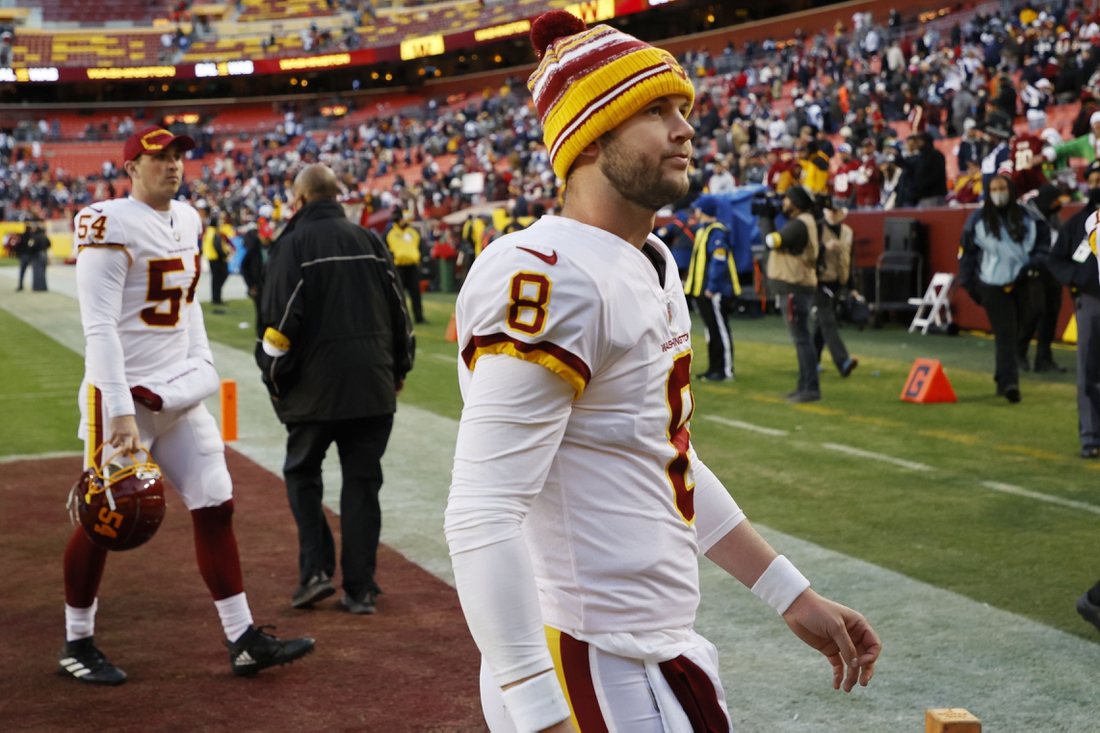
point(578, 507)
point(148, 366)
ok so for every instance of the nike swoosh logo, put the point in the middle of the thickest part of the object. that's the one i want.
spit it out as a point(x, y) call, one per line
point(98, 211)
point(551, 259)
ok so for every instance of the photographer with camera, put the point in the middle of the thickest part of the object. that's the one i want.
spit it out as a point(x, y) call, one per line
point(792, 275)
point(834, 274)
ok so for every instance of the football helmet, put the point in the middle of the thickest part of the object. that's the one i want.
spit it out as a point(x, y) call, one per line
point(119, 507)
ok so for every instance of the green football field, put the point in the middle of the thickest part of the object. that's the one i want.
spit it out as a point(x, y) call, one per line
point(927, 492)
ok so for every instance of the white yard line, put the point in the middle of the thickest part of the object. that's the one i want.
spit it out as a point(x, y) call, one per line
point(871, 455)
point(773, 432)
point(1018, 491)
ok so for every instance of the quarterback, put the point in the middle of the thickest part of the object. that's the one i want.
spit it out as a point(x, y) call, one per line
point(148, 366)
point(578, 507)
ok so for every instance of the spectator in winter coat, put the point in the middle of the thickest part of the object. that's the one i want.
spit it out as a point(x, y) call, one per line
point(929, 173)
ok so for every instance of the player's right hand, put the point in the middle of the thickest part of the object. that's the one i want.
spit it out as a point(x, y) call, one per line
point(124, 433)
point(839, 633)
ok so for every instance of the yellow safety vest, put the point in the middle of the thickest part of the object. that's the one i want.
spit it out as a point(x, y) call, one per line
point(404, 243)
point(697, 270)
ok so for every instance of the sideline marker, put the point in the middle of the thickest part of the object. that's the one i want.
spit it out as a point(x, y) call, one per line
point(927, 383)
point(452, 330)
point(229, 410)
point(950, 720)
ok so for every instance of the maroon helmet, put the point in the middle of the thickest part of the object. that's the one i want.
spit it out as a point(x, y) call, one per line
point(120, 507)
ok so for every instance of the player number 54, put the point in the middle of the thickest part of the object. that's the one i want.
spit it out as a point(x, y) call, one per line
point(98, 226)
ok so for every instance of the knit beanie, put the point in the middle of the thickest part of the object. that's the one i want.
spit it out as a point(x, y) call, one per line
point(591, 80)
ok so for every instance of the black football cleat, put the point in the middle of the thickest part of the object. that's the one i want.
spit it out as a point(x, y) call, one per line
point(82, 661)
point(257, 650)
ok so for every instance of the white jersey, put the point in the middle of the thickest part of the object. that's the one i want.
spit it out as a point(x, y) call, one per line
point(137, 293)
point(611, 535)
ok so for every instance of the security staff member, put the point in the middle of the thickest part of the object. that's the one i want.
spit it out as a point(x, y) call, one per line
point(712, 284)
point(792, 275)
point(404, 242)
point(834, 273)
point(336, 348)
point(1072, 261)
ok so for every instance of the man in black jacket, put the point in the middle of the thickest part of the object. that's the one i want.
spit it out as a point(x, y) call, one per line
point(929, 173)
point(1072, 262)
point(336, 348)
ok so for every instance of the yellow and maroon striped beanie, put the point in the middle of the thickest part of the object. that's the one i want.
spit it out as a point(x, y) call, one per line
point(590, 80)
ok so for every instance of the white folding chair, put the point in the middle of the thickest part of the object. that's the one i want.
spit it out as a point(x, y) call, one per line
point(935, 306)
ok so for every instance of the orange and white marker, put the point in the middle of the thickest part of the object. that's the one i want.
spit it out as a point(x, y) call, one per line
point(229, 410)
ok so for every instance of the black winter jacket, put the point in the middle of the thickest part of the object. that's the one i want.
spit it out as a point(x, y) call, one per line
point(1081, 277)
point(332, 302)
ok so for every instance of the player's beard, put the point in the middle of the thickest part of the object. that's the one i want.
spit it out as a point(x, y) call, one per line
point(639, 179)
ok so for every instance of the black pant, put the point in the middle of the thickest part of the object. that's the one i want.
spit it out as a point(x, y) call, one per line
point(796, 311)
point(1007, 312)
point(38, 272)
point(219, 273)
point(259, 317)
point(361, 443)
point(826, 329)
point(24, 262)
point(1045, 307)
point(715, 312)
point(1088, 369)
point(410, 280)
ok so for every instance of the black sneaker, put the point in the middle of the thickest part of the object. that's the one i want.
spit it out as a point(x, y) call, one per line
point(365, 607)
point(82, 661)
point(257, 650)
point(1089, 610)
point(318, 588)
point(799, 398)
point(1012, 393)
point(714, 377)
point(1090, 451)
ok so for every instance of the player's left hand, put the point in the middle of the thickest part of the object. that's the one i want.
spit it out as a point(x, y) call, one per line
point(124, 433)
point(398, 385)
point(838, 632)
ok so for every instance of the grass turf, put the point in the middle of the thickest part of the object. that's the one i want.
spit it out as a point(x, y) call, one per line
point(39, 382)
point(941, 526)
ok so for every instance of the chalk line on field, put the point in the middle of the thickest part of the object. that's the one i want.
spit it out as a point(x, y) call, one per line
point(1018, 491)
point(871, 455)
point(773, 432)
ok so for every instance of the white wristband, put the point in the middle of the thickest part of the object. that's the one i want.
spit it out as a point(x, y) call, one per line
point(536, 703)
point(780, 584)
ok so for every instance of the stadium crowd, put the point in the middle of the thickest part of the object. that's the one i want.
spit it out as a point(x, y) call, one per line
point(855, 113)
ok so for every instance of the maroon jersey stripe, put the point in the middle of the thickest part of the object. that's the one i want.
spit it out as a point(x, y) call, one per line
point(578, 680)
point(696, 693)
point(568, 358)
